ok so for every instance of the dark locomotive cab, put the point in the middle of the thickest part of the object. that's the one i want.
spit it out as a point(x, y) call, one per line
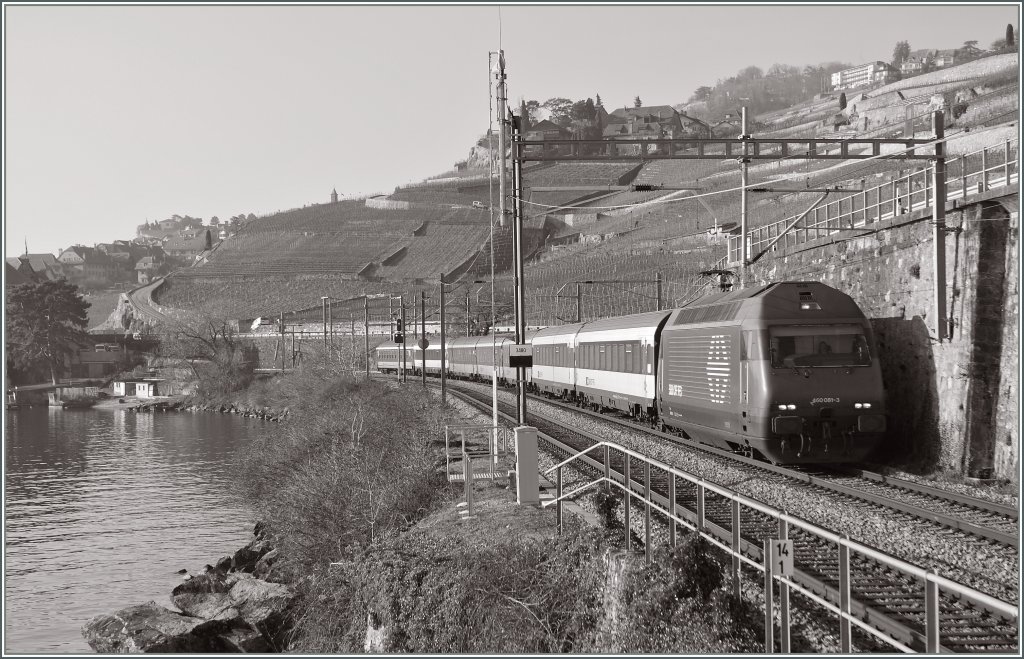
point(787, 371)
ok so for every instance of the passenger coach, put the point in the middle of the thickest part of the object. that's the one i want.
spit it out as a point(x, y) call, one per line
point(616, 363)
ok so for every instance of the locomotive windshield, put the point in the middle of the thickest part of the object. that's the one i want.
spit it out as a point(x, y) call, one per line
point(819, 345)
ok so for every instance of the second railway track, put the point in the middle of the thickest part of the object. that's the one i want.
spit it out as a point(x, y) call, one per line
point(889, 602)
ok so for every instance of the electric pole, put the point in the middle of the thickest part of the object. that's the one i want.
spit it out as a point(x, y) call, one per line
point(517, 242)
point(423, 331)
point(744, 165)
point(444, 384)
point(502, 146)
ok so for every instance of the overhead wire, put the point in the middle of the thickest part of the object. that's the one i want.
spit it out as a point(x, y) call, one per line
point(662, 201)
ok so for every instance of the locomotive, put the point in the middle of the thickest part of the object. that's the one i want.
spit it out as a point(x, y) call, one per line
point(785, 371)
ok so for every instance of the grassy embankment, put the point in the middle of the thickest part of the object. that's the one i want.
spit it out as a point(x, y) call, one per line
point(353, 486)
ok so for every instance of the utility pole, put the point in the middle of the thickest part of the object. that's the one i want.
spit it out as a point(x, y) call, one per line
point(330, 327)
point(366, 334)
point(502, 146)
point(517, 241)
point(744, 165)
point(352, 340)
point(323, 314)
point(467, 313)
point(657, 285)
point(444, 384)
point(579, 302)
point(281, 327)
point(423, 331)
point(401, 303)
point(939, 224)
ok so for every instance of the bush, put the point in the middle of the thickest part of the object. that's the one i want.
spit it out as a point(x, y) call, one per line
point(357, 462)
point(677, 604)
point(446, 595)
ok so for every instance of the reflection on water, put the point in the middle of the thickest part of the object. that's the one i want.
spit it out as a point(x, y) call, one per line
point(103, 507)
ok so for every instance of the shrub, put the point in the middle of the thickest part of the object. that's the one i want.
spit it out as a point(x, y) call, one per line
point(447, 595)
point(357, 462)
point(606, 504)
point(677, 604)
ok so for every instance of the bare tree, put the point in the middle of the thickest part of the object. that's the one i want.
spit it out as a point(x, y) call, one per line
point(219, 360)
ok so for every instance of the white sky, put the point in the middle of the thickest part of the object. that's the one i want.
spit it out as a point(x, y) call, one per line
point(116, 115)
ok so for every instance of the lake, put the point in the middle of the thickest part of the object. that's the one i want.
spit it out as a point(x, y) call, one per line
point(103, 507)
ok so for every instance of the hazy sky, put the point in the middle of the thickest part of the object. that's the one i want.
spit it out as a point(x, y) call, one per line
point(116, 115)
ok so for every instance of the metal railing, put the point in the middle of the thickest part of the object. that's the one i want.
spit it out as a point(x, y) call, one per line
point(484, 443)
point(973, 173)
point(697, 522)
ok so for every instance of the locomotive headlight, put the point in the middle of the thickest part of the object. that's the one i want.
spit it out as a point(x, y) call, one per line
point(786, 406)
point(865, 406)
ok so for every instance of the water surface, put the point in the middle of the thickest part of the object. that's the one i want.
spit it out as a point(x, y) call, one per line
point(103, 507)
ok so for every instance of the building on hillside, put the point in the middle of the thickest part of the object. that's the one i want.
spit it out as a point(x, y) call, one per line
point(188, 248)
point(39, 266)
point(943, 58)
point(657, 122)
point(89, 264)
point(334, 196)
point(17, 272)
point(547, 130)
point(116, 251)
point(915, 62)
point(872, 73)
point(149, 268)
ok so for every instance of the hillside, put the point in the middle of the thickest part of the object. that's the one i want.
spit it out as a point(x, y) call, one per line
point(404, 241)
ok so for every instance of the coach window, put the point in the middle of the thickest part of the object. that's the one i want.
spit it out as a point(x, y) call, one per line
point(629, 365)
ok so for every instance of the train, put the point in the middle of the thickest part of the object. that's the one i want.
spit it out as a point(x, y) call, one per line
point(787, 372)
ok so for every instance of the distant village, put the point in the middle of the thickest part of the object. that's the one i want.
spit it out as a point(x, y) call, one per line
point(157, 249)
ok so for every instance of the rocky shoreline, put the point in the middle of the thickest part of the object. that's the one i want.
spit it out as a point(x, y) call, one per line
point(236, 605)
point(258, 412)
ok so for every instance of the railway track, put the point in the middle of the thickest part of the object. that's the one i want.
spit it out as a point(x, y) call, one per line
point(881, 598)
point(997, 523)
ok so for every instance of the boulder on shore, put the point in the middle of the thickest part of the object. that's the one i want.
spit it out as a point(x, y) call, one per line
point(152, 628)
point(224, 609)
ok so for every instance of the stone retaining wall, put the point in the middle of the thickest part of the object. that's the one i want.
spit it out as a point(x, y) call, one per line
point(951, 405)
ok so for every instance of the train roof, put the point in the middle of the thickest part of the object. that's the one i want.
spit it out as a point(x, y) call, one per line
point(558, 330)
point(775, 301)
point(648, 319)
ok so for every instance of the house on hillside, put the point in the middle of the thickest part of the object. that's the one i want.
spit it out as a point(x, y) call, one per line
point(188, 248)
point(546, 130)
point(39, 267)
point(81, 263)
point(14, 275)
point(872, 73)
point(116, 251)
point(656, 122)
point(943, 58)
point(149, 268)
point(915, 62)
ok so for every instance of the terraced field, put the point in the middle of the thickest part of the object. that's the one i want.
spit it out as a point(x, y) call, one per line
point(288, 260)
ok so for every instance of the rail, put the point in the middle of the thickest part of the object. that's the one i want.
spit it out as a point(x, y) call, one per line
point(933, 583)
point(977, 172)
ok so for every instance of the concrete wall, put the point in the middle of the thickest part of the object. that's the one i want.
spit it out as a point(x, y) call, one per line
point(951, 406)
point(387, 204)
